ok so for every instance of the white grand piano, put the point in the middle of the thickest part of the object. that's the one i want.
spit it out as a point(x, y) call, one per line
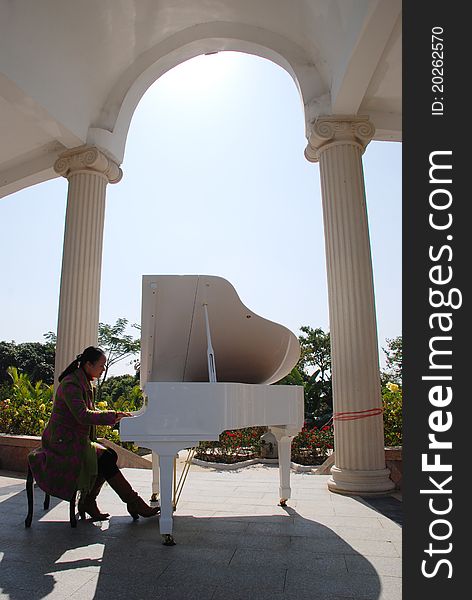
point(207, 365)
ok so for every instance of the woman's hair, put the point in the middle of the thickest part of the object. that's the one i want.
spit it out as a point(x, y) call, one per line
point(90, 354)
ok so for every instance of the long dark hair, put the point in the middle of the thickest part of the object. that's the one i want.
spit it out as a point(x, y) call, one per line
point(90, 354)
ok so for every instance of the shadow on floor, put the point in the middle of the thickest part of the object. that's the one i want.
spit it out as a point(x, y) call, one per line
point(278, 557)
point(388, 506)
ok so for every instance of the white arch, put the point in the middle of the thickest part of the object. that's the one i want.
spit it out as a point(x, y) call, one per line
point(110, 130)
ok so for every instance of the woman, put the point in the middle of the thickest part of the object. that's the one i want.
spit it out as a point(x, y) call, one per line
point(68, 459)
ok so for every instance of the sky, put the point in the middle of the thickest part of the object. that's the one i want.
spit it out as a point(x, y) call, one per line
point(215, 182)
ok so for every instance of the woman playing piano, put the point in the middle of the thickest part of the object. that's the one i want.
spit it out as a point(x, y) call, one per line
point(69, 459)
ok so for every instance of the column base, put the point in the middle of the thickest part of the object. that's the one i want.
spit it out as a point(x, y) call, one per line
point(360, 483)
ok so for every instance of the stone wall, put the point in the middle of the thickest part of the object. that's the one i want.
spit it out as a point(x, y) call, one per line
point(14, 450)
point(393, 461)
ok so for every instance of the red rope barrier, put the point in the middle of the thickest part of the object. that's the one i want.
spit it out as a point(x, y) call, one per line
point(357, 414)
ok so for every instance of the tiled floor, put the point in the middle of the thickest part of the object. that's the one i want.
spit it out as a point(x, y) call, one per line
point(233, 543)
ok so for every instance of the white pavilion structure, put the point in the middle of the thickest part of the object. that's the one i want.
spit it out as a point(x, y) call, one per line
point(71, 76)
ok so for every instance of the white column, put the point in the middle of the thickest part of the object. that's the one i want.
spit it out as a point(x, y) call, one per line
point(88, 171)
point(338, 144)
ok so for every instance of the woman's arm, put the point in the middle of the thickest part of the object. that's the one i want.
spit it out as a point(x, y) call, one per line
point(72, 395)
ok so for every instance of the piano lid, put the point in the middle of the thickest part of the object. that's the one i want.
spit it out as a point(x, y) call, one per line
point(247, 347)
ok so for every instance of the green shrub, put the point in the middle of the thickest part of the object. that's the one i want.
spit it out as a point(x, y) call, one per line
point(309, 447)
point(312, 446)
point(5, 391)
point(233, 446)
point(121, 393)
point(113, 433)
point(393, 419)
point(28, 408)
point(25, 408)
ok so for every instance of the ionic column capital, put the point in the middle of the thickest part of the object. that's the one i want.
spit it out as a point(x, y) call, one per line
point(87, 159)
point(338, 129)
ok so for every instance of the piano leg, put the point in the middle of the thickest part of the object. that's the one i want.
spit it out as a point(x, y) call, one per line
point(155, 478)
point(166, 477)
point(284, 438)
point(163, 455)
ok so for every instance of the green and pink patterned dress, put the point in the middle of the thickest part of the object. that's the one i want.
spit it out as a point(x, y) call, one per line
point(66, 451)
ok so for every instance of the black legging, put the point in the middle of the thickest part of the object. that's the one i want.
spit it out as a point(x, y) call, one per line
point(107, 467)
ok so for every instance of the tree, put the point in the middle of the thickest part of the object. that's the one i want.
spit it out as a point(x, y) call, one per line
point(313, 371)
point(113, 341)
point(394, 363)
point(315, 351)
point(122, 392)
point(316, 364)
point(116, 344)
point(35, 359)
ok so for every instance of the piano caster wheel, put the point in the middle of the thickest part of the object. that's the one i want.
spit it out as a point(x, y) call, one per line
point(168, 540)
point(154, 497)
point(283, 502)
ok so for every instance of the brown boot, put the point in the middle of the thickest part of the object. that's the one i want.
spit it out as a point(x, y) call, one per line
point(134, 503)
point(88, 504)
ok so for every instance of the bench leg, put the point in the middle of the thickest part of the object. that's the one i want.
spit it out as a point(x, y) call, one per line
point(47, 498)
point(72, 517)
point(29, 494)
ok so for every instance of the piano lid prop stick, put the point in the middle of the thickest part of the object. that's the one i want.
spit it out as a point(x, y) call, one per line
point(183, 475)
point(210, 352)
point(174, 477)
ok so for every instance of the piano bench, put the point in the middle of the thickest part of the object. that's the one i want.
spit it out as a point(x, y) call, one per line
point(47, 497)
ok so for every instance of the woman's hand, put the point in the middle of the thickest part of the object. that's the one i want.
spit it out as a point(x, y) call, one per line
point(120, 414)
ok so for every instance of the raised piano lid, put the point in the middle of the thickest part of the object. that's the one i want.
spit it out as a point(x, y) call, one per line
point(247, 347)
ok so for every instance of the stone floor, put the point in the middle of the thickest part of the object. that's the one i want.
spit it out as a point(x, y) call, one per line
point(233, 543)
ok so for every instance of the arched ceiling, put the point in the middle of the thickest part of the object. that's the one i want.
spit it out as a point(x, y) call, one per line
point(73, 72)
